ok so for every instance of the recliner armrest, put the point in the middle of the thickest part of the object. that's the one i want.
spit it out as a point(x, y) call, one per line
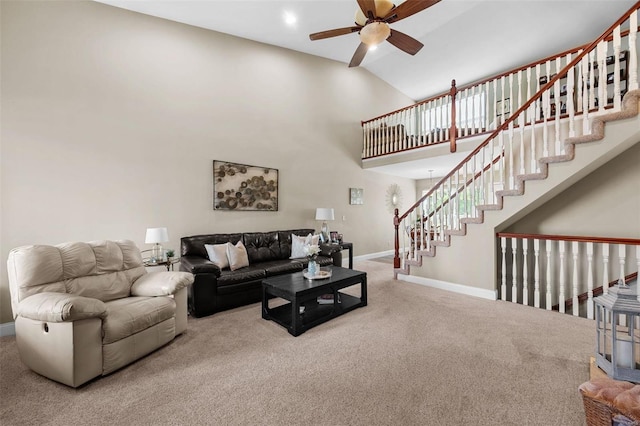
point(60, 307)
point(161, 283)
point(196, 264)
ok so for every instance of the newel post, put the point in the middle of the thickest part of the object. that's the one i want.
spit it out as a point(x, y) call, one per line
point(453, 129)
point(396, 224)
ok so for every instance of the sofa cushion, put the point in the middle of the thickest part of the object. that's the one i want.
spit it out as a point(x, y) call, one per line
point(281, 267)
point(217, 254)
point(131, 315)
point(262, 246)
point(237, 255)
point(250, 273)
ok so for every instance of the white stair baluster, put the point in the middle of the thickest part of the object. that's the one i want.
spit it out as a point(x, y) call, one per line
point(525, 272)
point(574, 299)
point(536, 273)
point(633, 53)
point(602, 67)
point(514, 269)
point(501, 97)
point(605, 268)
point(546, 107)
point(638, 270)
point(521, 123)
point(503, 286)
point(511, 165)
point(569, 98)
point(501, 161)
point(561, 297)
point(559, 146)
point(590, 280)
point(622, 257)
point(617, 99)
point(548, 275)
point(581, 70)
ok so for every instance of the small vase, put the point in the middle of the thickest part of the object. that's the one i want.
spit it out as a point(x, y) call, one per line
point(312, 267)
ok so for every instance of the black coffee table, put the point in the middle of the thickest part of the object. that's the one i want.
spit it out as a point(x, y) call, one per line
point(303, 310)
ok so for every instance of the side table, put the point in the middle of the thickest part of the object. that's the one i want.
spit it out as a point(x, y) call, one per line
point(348, 246)
point(168, 263)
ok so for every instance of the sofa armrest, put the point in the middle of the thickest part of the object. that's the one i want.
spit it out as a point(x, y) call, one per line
point(161, 283)
point(196, 264)
point(60, 307)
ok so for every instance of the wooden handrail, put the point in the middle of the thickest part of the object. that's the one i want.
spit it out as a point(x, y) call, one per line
point(580, 239)
point(596, 292)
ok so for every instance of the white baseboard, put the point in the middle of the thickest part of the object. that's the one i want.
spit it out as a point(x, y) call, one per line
point(373, 255)
point(452, 287)
point(7, 329)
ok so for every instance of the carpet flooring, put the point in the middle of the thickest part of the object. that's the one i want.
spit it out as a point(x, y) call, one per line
point(413, 356)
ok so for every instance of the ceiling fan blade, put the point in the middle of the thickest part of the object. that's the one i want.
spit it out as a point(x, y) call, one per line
point(359, 55)
point(404, 42)
point(408, 8)
point(334, 33)
point(368, 7)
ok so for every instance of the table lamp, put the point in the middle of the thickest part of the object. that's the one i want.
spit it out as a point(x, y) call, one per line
point(157, 236)
point(324, 214)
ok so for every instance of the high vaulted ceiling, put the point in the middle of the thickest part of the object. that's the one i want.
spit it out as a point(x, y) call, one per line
point(464, 40)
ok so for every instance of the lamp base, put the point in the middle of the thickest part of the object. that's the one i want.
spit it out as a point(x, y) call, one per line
point(157, 253)
point(324, 231)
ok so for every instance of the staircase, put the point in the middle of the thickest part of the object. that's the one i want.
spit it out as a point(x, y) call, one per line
point(548, 151)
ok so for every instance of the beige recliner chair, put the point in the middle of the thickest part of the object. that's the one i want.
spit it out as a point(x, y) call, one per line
point(83, 310)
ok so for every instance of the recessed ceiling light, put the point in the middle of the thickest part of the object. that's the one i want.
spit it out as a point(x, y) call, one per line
point(289, 18)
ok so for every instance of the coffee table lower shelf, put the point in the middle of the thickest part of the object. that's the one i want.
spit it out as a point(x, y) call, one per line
point(314, 313)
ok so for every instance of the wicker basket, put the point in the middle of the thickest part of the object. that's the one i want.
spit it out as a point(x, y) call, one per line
point(598, 397)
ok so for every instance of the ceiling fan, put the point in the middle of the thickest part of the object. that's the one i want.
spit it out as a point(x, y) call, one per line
point(372, 24)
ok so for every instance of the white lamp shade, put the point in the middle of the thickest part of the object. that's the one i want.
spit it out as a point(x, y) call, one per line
point(156, 235)
point(323, 213)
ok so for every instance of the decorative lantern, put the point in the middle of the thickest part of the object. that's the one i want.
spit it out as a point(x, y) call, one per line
point(618, 332)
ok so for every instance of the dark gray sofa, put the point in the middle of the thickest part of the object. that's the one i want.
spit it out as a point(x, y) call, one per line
point(215, 290)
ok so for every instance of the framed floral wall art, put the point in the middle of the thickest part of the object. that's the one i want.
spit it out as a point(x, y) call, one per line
point(243, 187)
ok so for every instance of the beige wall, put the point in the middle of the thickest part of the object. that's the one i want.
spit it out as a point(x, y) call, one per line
point(111, 121)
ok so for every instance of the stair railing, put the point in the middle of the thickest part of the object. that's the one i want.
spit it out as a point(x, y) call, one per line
point(587, 83)
point(461, 112)
point(545, 271)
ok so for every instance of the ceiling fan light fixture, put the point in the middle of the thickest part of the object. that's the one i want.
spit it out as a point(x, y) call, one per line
point(383, 7)
point(374, 33)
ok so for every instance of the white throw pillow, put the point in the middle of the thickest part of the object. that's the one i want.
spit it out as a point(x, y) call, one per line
point(218, 254)
point(238, 257)
point(297, 246)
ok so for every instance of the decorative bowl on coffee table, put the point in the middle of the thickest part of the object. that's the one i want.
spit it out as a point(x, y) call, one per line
point(321, 274)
